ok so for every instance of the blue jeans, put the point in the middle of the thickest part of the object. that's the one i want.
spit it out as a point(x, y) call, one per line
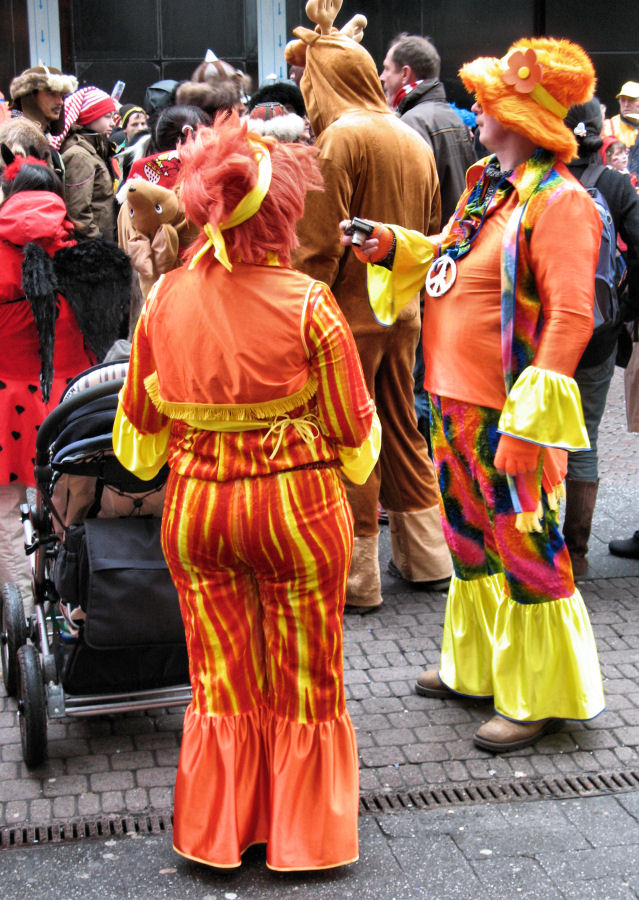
point(593, 383)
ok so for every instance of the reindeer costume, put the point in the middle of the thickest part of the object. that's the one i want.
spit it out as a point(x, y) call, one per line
point(375, 167)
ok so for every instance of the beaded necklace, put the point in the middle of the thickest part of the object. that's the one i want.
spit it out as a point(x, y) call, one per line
point(492, 186)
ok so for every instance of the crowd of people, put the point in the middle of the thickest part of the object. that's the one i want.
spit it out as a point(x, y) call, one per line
point(350, 299)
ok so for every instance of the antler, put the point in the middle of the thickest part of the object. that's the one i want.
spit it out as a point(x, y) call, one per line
point(354, 28)
point(323, 13)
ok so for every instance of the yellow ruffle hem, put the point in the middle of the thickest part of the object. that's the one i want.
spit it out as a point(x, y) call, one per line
point(537, 660)
point(545, 662)
point(467, 643)
point(545, 408)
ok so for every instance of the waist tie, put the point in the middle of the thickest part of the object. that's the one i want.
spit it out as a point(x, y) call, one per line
point(307, 427)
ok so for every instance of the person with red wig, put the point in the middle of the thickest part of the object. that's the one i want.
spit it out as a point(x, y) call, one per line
point(244, 375)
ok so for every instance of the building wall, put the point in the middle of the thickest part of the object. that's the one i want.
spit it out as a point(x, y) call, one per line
point(465, 29)
point(149, 40)
point(141, 42)
point(14, 45)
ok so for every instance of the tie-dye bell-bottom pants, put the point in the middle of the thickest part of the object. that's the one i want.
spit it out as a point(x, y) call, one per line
point(268, 750)
point(516, 628)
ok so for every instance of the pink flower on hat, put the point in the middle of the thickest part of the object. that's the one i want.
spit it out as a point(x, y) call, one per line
point(523, 72)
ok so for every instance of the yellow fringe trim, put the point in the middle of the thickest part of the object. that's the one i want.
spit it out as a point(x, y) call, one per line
point(527, 522)
point(231, 412)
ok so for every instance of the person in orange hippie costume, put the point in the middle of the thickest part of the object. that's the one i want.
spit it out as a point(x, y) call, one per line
point(245, 377)
point(508, 313)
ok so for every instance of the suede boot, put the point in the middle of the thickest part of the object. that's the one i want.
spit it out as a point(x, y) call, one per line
point(581, 497)
point(364, 588)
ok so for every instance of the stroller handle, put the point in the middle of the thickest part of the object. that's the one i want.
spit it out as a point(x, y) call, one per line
point(50, 428)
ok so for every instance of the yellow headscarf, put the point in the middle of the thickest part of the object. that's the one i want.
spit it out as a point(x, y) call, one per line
point(245, 209)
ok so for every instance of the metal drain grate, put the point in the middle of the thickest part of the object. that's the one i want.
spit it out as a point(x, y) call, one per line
point(159, 823)
point(565, 788)
point(81, 829)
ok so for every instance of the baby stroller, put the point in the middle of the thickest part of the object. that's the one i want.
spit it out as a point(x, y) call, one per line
point(106, 634)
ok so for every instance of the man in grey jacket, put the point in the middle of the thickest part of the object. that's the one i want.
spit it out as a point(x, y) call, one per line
point(410, 78)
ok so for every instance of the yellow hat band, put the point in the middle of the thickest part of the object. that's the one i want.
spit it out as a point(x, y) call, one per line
point(543, 98)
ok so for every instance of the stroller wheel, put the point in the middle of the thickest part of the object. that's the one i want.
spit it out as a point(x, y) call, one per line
point(14, 635)
point(32, 706)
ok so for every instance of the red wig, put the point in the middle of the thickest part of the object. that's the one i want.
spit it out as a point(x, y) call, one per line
point(219, 169)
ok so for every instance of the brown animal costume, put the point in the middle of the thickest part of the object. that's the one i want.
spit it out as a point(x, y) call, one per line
point(375, 167)
point(153, 231)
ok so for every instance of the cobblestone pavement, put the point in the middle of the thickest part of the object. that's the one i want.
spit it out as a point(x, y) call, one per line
point(123, 764)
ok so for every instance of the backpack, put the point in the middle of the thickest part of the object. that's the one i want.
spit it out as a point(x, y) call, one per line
point(611, 267)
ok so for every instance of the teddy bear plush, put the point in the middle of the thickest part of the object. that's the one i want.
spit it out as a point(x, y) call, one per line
point(152, 229)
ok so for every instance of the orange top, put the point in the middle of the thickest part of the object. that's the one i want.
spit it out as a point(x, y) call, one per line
point(462, 329)
point(238, 353)
point(221, 352)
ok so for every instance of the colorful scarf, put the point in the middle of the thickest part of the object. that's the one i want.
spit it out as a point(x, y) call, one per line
point(404, 91)
point(489, 193)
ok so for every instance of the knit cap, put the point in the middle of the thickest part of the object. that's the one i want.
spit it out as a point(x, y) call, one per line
point(83, 106)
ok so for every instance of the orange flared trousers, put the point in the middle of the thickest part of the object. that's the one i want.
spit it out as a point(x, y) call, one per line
point(268, 750)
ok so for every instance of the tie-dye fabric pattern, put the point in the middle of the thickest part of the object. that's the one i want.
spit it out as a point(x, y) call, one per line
point(477, 509)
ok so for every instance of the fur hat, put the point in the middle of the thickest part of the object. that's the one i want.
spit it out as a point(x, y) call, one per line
point(24, 138)
point(531, 89)
point(41, 78)
point(210, 97)
point(273, 119)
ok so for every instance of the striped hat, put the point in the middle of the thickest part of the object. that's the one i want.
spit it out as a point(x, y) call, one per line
point(83, 106)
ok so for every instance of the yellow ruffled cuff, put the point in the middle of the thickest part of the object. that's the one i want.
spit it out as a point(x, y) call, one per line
point(358, 462)
point(390, 291)
point(544, 407)
point(142, 454)
point(545, 661)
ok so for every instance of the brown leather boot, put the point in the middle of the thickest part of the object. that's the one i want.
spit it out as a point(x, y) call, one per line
point(581, 497)
point(500, 735)
point(429, 684)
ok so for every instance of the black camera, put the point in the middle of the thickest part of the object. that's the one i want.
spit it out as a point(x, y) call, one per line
point(360, 229)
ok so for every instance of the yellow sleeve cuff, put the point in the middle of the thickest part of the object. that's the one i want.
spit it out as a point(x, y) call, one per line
point(142, 454)
point(358, 462)
point(545, 407)
point(390, 291)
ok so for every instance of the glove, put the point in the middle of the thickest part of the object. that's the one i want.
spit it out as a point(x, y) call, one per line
point(386, 243)
point(515, 456)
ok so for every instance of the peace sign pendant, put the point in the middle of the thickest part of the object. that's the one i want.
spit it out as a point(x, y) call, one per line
point(441, 276)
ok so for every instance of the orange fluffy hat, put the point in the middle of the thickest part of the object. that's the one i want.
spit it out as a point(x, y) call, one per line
point(530, 89)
